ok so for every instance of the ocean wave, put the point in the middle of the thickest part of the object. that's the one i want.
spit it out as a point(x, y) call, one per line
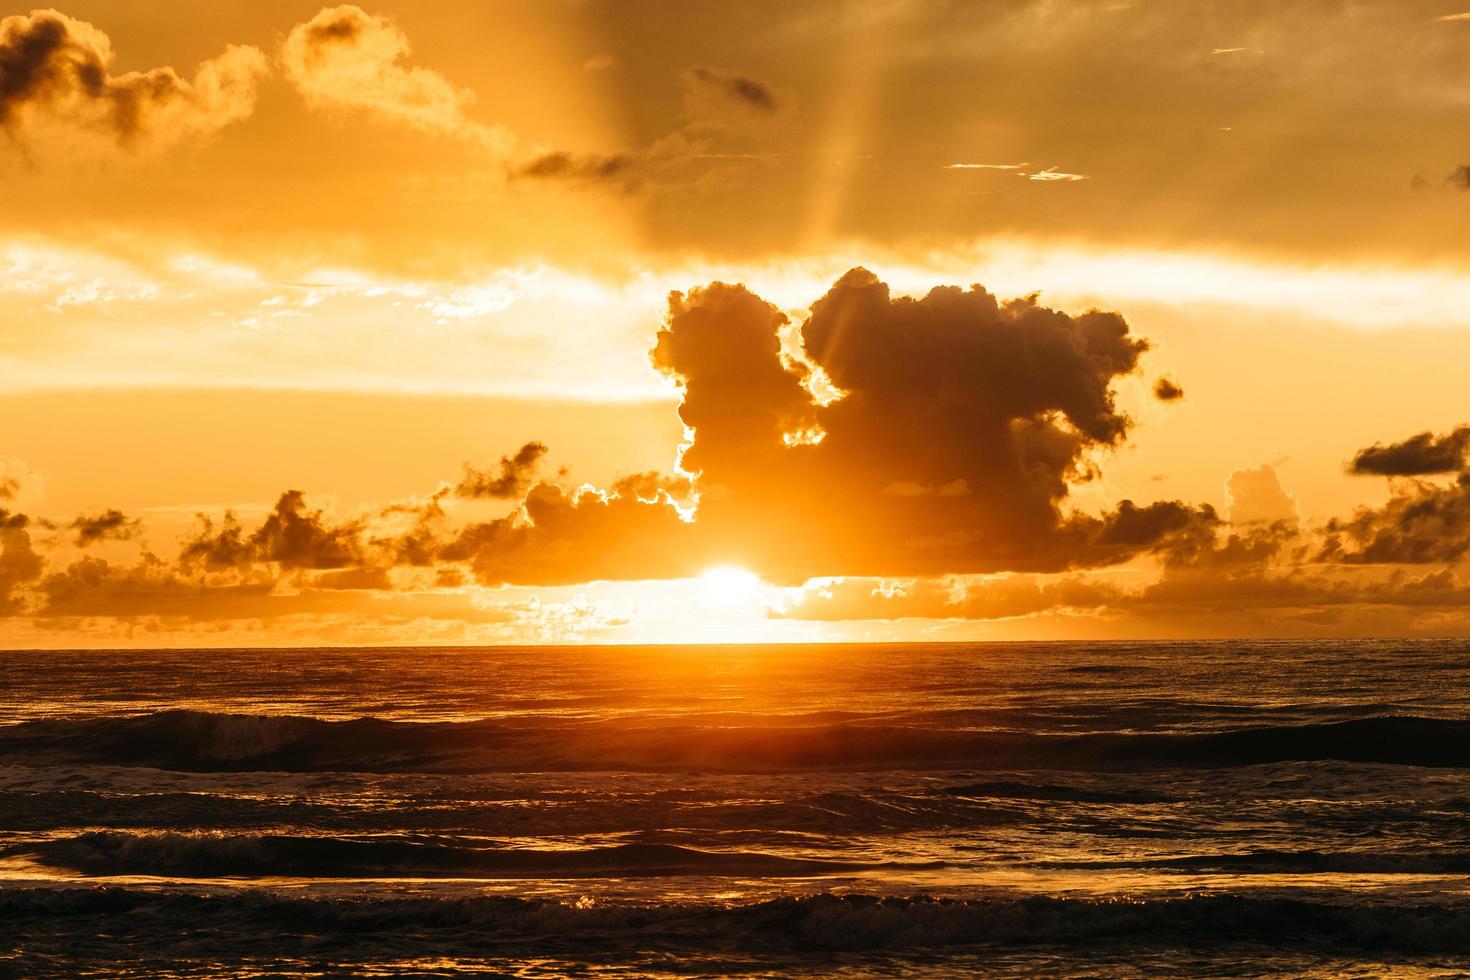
point(816, 922)
point(213, 854)
point(1008, 790)
point(207, 741)
point(1283, 862)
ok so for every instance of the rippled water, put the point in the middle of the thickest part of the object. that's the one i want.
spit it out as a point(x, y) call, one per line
point(1183, 809)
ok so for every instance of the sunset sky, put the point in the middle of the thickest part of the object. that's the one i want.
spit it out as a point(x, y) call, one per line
point(574, 321)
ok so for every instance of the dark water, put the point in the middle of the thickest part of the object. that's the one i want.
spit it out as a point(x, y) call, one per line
point(1182, 809)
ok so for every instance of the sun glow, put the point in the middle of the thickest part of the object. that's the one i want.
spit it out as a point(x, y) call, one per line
point(729, 585)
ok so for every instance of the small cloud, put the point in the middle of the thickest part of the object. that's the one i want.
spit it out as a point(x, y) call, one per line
point(601, 62)
point(1020, 170)
point(748, 92)
point(1168, 390)
point(1460, 178)
point(1052, 173)
point(1464, 15)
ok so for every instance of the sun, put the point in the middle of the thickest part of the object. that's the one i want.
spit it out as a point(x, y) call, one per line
point(729, 585)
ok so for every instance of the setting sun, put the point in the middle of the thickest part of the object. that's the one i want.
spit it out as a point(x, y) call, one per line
point(734, 487)
point(729, 585)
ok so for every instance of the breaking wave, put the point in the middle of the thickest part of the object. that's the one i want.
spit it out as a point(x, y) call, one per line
point(206, 854)
point(205, 741)
point(816, 922)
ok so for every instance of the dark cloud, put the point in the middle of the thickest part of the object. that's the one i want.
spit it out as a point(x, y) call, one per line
point(1421, 524)
point(1167, 390)
point(110, 525)
point(747, 92)
point(1417, 455)
point(580, 166)
point(962, 423)
point(19, 562)
point(513, 478)
point(336, 25)
point(1460, 178)
point(9, 487)
point(727, 118)
point(55, 68)
point(291, 536)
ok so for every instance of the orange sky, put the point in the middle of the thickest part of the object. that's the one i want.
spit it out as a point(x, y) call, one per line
point(369, 254)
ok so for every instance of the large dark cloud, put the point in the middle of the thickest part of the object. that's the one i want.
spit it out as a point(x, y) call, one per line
point(1417, 455)
point(961, 425)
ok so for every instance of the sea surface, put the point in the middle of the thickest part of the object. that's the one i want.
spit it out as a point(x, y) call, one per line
point(1150, 809)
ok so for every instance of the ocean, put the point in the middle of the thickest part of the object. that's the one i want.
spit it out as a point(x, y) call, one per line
point(1123, 809)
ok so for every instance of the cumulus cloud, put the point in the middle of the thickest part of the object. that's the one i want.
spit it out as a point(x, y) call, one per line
point(56, 88)
point(952, 389)
point(345, 59)
point(1256, 496)
point(1417, 455)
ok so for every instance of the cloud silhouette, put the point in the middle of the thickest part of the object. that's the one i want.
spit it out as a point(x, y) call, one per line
point(991, 406)
point(110, 525)
point(19, 561)
point(1417, 455)
point(291, 536)
point(1421, 523)
point(512, 479)
point(1167, 390)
